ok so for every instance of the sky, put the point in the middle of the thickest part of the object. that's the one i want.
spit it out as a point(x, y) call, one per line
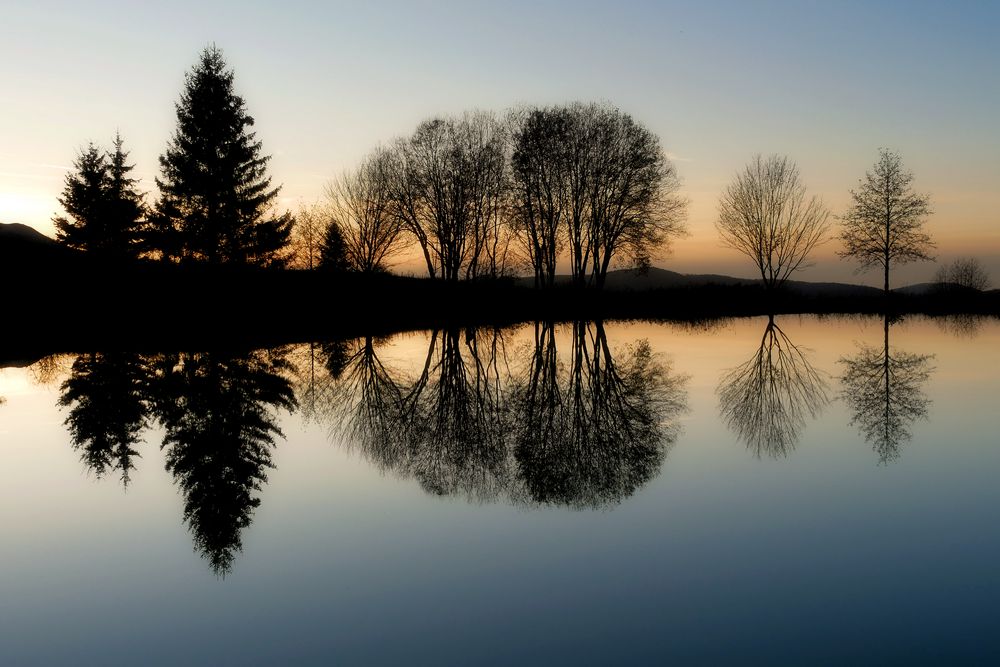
point(826, 83)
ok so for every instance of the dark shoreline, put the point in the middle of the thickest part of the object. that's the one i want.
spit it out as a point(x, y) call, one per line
point(200, 307)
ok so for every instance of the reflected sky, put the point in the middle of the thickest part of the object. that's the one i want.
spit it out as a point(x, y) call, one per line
point(376, 552)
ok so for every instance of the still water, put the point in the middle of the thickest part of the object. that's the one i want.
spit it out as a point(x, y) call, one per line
point(800, 490)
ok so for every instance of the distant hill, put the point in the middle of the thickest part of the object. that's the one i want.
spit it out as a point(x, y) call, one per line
point(15, 232)
point(25, 248)
point(655, 278)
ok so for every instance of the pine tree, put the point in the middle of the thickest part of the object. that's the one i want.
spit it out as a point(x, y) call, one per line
point(332, 250)
point(83, 199)
point(105, 207)
point(215, 191)
point(126, 208)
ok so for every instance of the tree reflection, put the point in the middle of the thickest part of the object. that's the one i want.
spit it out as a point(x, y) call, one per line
point(962, 325)
point(218, 411)
point(367, 403)
point(456, 416)
point(883, 388)
point(766, 400)
point(584, 434)
point(444, 426)
point(107, 396)
point(590, 435)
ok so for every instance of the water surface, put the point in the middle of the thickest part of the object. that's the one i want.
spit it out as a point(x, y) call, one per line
point(796, 490)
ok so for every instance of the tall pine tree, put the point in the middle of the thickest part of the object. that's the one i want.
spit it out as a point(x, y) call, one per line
point(105, 207)
point(216, 199)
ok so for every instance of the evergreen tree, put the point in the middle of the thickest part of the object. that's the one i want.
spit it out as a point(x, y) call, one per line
point(332, 251)
point(105, 207)
point(126, 208)
point(83, 199)
point(216, 196)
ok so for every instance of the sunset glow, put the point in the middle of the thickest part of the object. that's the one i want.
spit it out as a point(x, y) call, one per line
point(717, 84)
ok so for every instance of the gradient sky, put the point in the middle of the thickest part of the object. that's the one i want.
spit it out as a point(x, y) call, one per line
point(826, 83)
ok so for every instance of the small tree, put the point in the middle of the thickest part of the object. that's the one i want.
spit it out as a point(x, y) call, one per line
point(965, 273)
point(307, 235)
point(361, 204)
point(765, 214)
point(216, 196)
point(332, 252)
point(105, 207)
point(884, 225)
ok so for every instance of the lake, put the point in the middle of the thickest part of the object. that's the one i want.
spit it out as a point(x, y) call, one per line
point(799, 490)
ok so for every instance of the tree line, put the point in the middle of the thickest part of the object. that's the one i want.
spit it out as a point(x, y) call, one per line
point(479, 195)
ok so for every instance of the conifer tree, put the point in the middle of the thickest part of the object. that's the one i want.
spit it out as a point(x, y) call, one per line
point(216, 199)
point(105, 207)
point(83, 199)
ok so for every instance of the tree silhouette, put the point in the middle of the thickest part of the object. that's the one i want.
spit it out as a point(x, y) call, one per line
point(601, 178)
point(308, 231)
point(883, 389)
point(592, 436)
point(448, 188)
point(964, 273)
point(218, 412)
point(332, 250)
point(884, 225)
point(765, 215)
point(541, 165)
point(108, 399)
point(106, 210)
point(216, 198)
point(361, 204)
point(766, 400)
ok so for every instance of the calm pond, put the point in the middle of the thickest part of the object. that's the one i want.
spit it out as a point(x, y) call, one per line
point(803, 490)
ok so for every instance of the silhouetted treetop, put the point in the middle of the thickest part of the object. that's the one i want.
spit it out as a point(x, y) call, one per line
point(104, 204)
point(216, 198)
point(596, 177)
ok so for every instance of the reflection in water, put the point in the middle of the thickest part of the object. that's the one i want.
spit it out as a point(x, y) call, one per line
point(962, 325)
point(883, 388)
point(765, 400)
point(457, 435)
point(585, 435)
point(107, 395)
point(593, 435)
point(474, 419)
point(444, 427)
point(218, 411)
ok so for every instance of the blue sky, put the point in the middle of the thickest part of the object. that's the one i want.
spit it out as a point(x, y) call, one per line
point(825, 83)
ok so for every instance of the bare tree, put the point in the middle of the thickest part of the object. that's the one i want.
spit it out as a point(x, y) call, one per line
point(361, 204)
point(966, 273)
point(634, 209)
point(765, 214)
point(884, 225)
point(589, 178)
point(448, 189)
point(307, 235)
point(540, 186)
